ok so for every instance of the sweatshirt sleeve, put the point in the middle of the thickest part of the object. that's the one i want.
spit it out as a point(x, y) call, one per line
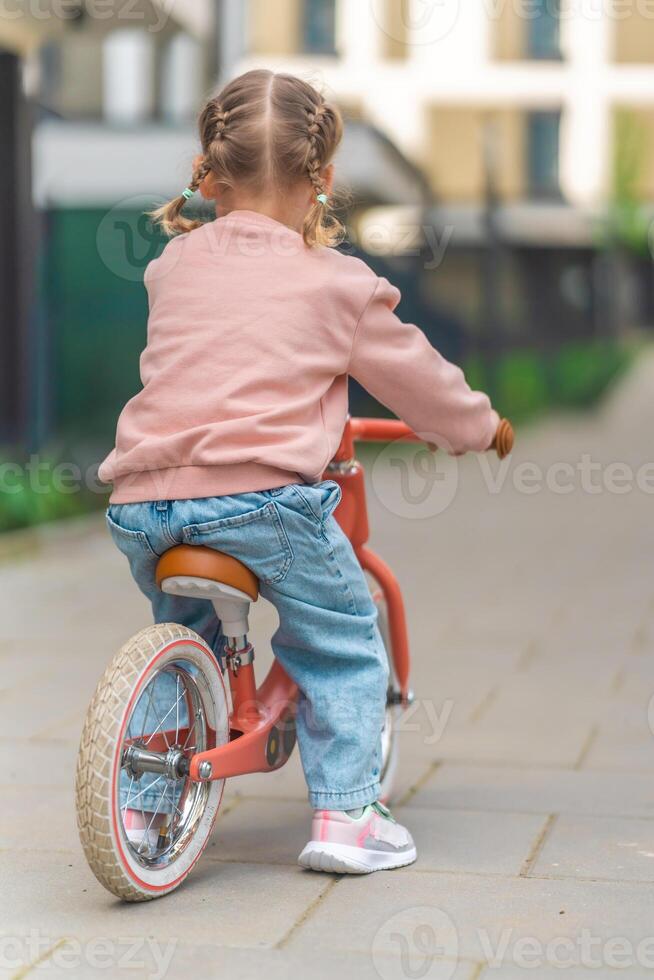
point(396, 363)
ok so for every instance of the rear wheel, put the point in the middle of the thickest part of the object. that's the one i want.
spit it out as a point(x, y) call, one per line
point(143, 822)
point(390, 734)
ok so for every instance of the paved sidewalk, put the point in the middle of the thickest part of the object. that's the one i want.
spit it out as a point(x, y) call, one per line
point(527, 764)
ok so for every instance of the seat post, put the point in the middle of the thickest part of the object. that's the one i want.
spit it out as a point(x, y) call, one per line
point(233, 613)
point(239, 658)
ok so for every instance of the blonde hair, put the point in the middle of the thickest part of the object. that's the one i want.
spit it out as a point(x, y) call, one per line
point(262, 130)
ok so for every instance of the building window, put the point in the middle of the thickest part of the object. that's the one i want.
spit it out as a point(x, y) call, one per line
point(543, 35)
point(543, 154)
point(320, 26)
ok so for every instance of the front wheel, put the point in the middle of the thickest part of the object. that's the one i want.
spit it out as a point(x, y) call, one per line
point(390, 748)
point(144, 824)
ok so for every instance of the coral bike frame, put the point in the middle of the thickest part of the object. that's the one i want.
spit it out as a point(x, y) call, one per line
point(262, 719)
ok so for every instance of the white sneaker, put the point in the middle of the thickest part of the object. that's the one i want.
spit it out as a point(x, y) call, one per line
point(348, 842)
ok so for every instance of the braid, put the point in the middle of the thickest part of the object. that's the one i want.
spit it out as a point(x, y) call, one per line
point(316, 118)
point(323, 132)
point(217, 119)
point(200, 172)
point(170, 215)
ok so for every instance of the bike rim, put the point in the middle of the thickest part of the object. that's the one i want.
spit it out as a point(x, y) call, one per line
point(173, 714)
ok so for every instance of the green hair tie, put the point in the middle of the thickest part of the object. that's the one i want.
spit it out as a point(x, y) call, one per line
point(322, 199)
point(187, 193)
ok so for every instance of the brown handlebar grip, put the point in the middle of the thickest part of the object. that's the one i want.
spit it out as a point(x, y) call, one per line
point(504, 439)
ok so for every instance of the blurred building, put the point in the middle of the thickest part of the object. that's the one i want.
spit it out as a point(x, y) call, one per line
point(528, 117)
point(80, 83)
point(444, 79)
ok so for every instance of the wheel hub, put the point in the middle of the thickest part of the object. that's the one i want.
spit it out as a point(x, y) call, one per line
point(172, 764)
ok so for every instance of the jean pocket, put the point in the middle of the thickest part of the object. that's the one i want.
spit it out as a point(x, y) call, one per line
point(256, 538)
point(128, 541)
point(318, 500)
point(331, 497)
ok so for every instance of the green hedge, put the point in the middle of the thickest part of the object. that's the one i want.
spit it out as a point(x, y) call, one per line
point(26, 501)
point(524, 384)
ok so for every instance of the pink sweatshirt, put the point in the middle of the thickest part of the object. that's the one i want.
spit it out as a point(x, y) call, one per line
point(251, 337)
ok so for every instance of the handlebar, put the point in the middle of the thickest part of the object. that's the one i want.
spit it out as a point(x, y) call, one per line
point(504, 439)
point(392, 430)
point(381, 430)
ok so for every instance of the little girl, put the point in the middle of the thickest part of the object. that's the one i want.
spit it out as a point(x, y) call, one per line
point(255, 324)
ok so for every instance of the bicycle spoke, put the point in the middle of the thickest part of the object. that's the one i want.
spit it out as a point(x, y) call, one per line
point(150, 689)
point(173, 825)
point(149, 826)
point(165, 790)
point(129, 790)
point(149, 704)
point(172, 707)
point(190, 732)
point(146, 788)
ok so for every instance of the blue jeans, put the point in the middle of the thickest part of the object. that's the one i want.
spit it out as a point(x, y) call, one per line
point(327, 639)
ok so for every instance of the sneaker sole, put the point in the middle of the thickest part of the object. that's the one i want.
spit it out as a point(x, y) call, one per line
point(345, 859)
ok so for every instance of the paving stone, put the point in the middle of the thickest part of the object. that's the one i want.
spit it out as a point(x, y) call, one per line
point(619, 750)
point(56, 707)
point(542, 694)
point(37, 819)
point(471, 841)
point(537, 791)
point(514, 743)
point(39, 763)
point(181, 961)
point(598, 847)
point(272, 832)
point(514, 972)
point(487, 919)
point(222, 904)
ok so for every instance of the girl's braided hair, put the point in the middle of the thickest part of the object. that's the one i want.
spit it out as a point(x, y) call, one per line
point(266, 130)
